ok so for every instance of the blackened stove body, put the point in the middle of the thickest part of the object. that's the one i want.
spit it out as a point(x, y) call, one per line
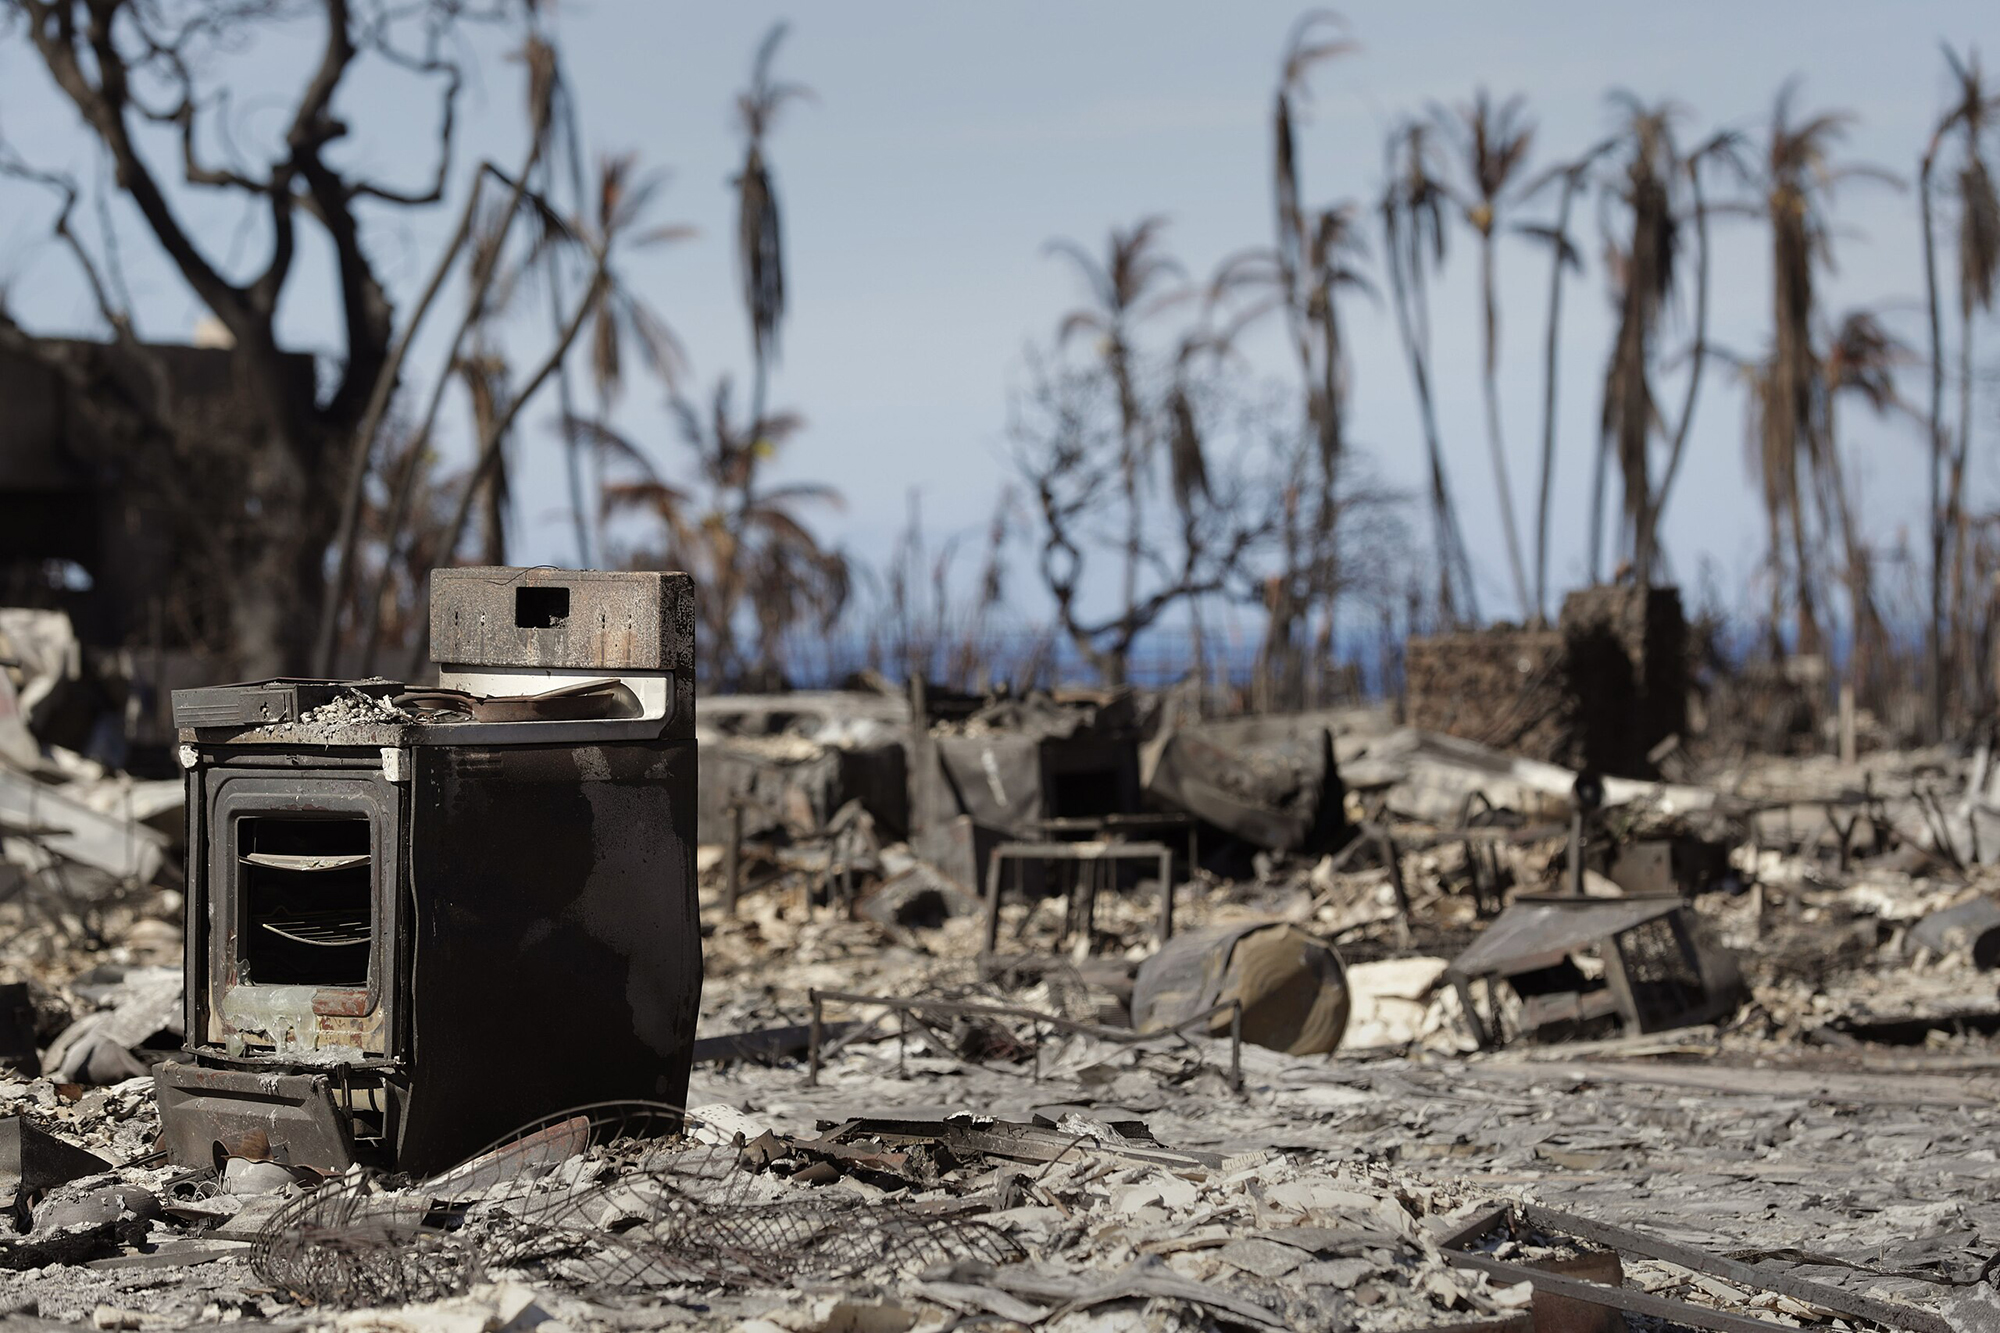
point(419, 918)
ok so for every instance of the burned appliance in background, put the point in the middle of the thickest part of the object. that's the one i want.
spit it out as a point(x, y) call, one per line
point(420, 916)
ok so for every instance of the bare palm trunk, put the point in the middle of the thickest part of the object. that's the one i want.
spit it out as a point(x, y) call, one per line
point(1549, 402)
point(1326, 556)
point(1965, 662)
point(1808, 626)
point(1494, 443)
point(1774, 519)
point(1867, 649)
point(583, 502)
point(1130, 427)
point(1934, 639)
point(1443, 523)
point(1599, 469)
point(1649, 527)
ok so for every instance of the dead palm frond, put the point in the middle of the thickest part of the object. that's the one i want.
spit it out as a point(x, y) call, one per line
point(760, 254)
point(623, 198)
point(1318, 35)
point(1862, 358)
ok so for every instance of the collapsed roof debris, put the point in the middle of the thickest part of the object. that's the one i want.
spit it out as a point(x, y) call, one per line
point(1758, 1092)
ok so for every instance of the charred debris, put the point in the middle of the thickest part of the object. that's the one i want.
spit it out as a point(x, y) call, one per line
point(1060, 1010)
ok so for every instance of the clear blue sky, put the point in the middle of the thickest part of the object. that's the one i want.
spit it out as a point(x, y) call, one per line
point(947, 143)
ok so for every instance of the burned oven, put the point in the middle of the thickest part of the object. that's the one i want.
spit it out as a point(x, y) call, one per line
point(418, 917)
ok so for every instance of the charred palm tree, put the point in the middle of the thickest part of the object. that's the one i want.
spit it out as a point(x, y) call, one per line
point(622, 319)
point(1860, 362)
point(1413, 231)
point(1493, 141)
point(1978, 245)
point(1661, 195)
point(747, 544)
point(1127, 287)
point(1799, 180)
point(1724, 149)
point(760, 250)
point(1309, 263)
point(1643, 279)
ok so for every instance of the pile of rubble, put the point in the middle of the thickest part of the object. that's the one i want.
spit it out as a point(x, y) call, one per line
point(1077, 1012)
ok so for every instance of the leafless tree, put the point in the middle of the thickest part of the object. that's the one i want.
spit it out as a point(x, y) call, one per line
point(135, 69)
point(1071, 435)
point(1129, 286)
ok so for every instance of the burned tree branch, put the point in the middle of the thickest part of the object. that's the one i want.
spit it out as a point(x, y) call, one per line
point(496, 433)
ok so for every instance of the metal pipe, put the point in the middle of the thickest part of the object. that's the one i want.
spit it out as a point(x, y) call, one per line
point(1576, 852)
point(813, 1042)
point(1236, 1044)
point(732, 859)
point(993, 902)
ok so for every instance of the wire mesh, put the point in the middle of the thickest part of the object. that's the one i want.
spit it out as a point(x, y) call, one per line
point(609, 1197)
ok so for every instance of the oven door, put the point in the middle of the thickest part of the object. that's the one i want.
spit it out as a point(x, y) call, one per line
point(303, 918)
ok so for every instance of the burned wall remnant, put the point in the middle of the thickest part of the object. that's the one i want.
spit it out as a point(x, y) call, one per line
point(1627, 648)
point(417, 916)
point(1505, 688)
point(136, 515)
point(1600, 691)
point(790, 761)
